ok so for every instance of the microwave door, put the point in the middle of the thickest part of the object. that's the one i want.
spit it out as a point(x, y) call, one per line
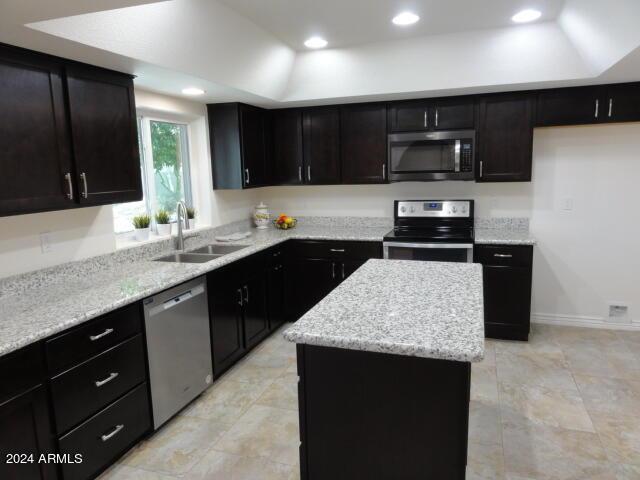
point(424, 156)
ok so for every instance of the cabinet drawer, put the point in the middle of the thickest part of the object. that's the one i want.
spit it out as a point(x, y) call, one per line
point(338, 249)
point(106, 435)
point(93, 337)
point(83, 390)
point(504, 255)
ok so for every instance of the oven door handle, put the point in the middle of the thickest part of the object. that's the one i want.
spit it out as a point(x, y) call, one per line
point(427, 245)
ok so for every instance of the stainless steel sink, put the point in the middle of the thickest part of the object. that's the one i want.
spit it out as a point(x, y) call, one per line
point(187, 258)
point(218, 249)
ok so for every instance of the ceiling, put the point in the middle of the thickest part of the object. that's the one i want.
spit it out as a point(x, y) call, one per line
point(353, 22)
point(251, 50)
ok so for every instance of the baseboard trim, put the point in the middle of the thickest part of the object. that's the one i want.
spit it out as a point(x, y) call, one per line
point(581, 321)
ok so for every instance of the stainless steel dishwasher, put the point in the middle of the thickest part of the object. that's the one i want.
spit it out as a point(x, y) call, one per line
point(179, 347)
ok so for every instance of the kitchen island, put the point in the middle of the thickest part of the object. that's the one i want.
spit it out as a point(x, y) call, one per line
point(384, 363)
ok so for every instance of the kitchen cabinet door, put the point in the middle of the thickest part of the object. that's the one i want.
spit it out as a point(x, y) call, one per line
point(276, 296)
point(104, 135)
point(25, 429)
point(287, 161)
point(253, 140)
point(454, 113)
point(34, 145)
point(409, 116)
point(363, 143)
point(570, 106)
point(622, 103)
point(311, 280)
point(256, 325)
point(348, 267)
point(505, 138)
point(321, 139)
point(225, 314)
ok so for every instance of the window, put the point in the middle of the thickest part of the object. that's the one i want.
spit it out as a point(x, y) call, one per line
point(164, 159)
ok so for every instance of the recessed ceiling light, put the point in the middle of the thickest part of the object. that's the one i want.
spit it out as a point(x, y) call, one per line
point(192, 91)
point(405, 18)
point(526, 16)
point(315, 42)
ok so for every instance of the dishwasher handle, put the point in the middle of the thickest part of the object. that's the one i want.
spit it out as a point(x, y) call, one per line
point(177, 300)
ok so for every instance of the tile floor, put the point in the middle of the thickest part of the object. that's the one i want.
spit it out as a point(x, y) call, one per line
point(565, 406)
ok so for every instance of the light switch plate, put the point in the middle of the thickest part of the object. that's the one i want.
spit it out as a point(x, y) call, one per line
point(566, 204)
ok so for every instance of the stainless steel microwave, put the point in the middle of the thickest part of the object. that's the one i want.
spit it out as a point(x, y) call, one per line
point(428, 156)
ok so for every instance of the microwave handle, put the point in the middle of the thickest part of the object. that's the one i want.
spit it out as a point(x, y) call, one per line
point(456, 159)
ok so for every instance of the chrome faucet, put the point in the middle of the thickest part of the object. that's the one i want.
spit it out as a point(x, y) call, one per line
point(181, 214)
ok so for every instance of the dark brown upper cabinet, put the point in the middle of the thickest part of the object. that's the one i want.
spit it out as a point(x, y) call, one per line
point(37, 171)
point(287, 160)
point(65, 147)
point(239, 144)
point(321, 142)
point(505, 138)
point(436, 114)
point(104, 135)
point(363, 143)
point(589, 105)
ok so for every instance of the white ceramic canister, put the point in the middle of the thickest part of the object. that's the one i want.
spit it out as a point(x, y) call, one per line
point(261, 216)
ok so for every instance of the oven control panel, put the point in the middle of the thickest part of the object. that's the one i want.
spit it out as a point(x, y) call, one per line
point(434, 208)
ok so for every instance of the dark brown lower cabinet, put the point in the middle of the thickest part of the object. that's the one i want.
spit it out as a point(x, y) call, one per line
point(256, 325)
point(277, 271)
point(381, 416)
point(507, 272)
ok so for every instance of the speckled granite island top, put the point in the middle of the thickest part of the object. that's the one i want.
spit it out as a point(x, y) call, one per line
point(421, 309)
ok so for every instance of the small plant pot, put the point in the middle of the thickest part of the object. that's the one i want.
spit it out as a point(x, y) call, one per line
point(142, 234)
point(164, 229)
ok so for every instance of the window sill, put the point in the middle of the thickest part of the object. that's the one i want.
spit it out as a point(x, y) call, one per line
point(128, 240)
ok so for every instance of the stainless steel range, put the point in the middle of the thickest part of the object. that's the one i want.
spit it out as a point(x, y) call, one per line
point(431, 230)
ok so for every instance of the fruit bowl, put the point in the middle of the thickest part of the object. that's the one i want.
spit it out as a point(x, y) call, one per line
point(285, 223)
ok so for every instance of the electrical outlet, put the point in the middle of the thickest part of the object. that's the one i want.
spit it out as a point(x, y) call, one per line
point(619, 313)
point(46, 242)
point(566, 204)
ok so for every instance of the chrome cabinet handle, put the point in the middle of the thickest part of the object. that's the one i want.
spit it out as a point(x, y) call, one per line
point(597, 108)
point(425, 119)
point(436, 117)
point(246, 294)
point(309, 172)
point(503, 255)
point(240, 299)
point(481, 168)
point(343, 271)
point(85, 192)
point(333, 270)
point(93, 338)
point(300, 173)
point(384, 171)
point(610, 107)
point(247, 178)
point(112, 433)
point(67, 177)
point(111, 376)
point(337, 250)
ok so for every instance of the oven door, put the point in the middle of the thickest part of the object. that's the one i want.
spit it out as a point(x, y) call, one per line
point(431, 252)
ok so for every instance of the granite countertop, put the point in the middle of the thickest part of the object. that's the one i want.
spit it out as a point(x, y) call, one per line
point(403, 307)
point(503, 236)
point(42, 310)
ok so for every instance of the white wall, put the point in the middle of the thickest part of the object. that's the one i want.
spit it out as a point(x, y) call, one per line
point(585, 257)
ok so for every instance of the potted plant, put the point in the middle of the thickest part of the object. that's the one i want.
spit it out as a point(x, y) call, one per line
point(141, 224)
point(191, 218)
point(162, 222)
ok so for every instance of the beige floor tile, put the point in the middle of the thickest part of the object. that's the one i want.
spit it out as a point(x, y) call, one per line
point(265, 432)
point(223, 466)
point(484, 423)
point(613, 361)
point(544, 406)
point(571, 336)
point(610, 395)
point(485, 461)
point(541, 340)
point(620, 435)
point(489, 353)
point(282, 393)
point(527, 368)
point(549, 453)
point(252, 372)
point(484, 383)
point(178, 446)
point(122, 472)
point(627, 472)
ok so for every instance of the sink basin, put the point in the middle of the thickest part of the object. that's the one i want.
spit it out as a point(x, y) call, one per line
point(187, 258)
point(218, 249)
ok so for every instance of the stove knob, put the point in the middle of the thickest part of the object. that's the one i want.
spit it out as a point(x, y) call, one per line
point(413, 209)
point(403, 209)
point(454, 209)
point(464, 209)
